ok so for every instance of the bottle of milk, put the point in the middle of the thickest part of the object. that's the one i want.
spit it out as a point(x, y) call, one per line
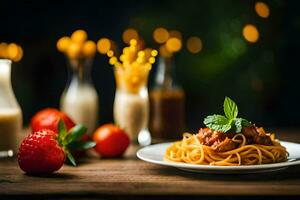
point(10, 112)
point(80, 99)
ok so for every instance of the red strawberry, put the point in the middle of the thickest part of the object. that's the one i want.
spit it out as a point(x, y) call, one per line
point(44, 151)
point(48, 119)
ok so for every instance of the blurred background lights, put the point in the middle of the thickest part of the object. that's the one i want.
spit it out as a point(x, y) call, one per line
point(89, 48)
point(262, 9)
point(173, 44)
point(163, 51)
point(63, 44)
point(129, 34)
point(250, 33)
point(103, 45)
point(176, 34)
point(160, 35)
point(79, 36)
point(194, 44)
point(11, 51)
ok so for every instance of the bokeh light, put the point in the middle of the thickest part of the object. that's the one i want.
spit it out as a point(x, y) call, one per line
point(12, 51)
point(194, 44)
point(176, 34)
point(79, 36)
point(160, 35)
point(163, 51)
point(73, 50)
point(173, 44)
point(89, 48)
point(63, 44)
point(103, 45)
point(3, 47)
point(250, 33)
point(129, 34)
point(262, 9)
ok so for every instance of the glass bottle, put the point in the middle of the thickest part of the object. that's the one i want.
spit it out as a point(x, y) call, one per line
point(80, 99)
point(167, 103)
point(131, 105)
point(10, 112)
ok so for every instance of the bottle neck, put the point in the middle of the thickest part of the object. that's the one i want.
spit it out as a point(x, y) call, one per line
point(165, 75)
point(80, 70)
point(5, 73)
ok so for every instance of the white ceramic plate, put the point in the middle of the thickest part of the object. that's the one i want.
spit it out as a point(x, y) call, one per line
point(155, 154)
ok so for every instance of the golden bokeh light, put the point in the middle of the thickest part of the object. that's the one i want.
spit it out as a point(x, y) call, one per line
point(3, 47)
point(160, 35)
point(79, 36)
point(130, 34)
point(20, 54)
point(110, 53)
point(12, 51)
point(194, 44)
point(104, 45)
point(176, 34)
point(89, 48)
point(262, 9)
point(63, 44)
point(163, 51)
point(173, 44)
point(250, 33)
point(74, 50)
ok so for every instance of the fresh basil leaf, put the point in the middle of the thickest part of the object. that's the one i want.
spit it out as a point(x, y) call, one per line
point(245, 122)
point(81, 145)
point(237, 125)
point(76, 133)
point(230, 108)
point(217, 123)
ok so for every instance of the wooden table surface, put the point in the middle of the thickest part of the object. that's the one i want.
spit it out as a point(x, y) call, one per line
point(130, 176)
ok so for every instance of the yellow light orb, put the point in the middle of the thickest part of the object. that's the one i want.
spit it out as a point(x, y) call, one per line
point(3, 50)
point(129, 34)
point(173, 44)
point(63, 44)
point(110, 53)
point(160, 35)
point(79, 36)
point(250, 33)
point(89, 48)
point(74, 50)
point(103, 45)
point(262, 9)
point(164, 52)
point(20, 54)
point(154, 53)
point(12, 51)
point(194, 44)
point(176, 34)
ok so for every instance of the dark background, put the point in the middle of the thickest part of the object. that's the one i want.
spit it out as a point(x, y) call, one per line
point(263, 77)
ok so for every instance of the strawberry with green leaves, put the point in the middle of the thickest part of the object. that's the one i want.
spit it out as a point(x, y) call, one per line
point(44, 151)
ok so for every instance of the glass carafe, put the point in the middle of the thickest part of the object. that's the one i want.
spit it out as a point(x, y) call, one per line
point(131, 106)
point(167, 103)
point(10, 112)
point(80, 99)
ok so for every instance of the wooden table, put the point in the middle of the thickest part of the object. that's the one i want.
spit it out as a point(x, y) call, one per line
point(131, 178)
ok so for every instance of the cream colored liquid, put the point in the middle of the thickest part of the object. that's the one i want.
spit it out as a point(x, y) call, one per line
point(10, 129)
point(81, 104)
point(131, 112)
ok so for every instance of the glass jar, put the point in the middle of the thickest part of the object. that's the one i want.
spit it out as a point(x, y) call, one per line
point(10, 112)
point(131, 105)
point(80, 99)
point(167, 103)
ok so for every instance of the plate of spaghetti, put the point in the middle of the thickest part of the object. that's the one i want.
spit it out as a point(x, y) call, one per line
point(228, 144)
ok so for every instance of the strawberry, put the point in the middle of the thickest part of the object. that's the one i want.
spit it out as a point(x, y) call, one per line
point(44, 151)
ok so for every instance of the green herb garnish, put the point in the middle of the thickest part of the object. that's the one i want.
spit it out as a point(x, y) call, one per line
point(229, 122)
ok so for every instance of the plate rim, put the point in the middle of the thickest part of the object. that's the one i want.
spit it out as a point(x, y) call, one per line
point(212, 167)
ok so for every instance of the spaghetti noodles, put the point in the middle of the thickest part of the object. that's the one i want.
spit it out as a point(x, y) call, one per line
point(192, 150)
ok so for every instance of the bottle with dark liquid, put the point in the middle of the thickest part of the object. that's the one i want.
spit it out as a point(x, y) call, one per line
point(167, 104)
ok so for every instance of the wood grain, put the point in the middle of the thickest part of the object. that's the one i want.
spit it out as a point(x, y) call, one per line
point(129, 176)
